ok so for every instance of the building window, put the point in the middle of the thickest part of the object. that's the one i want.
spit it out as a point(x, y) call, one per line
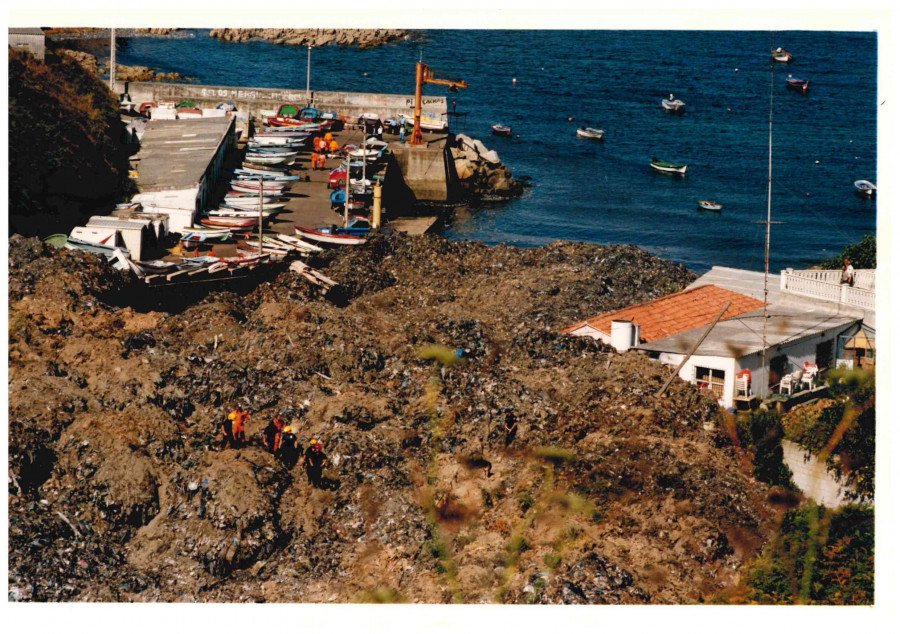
point(710, 379)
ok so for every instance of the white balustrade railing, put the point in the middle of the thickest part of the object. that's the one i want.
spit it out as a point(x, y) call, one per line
point(826, 285)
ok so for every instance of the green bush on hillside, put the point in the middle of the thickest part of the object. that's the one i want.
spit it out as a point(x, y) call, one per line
point(862, 255)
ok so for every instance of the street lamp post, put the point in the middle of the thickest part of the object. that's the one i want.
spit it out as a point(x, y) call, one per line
point(308, 66)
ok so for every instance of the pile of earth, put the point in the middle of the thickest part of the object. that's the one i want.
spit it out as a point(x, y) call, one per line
point(607, 494)
point(363, 38)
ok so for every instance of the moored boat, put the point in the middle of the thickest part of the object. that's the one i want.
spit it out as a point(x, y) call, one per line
point(865, 188)
point(800, 85)
point(669, 168)
point(673, 105)
point(501, 130)
point(709, 205)
point(781, 55)
point(590, 133)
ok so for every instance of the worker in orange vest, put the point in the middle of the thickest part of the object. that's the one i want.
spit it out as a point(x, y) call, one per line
point(314, 160)
point(328, 137)
point(239, 438)
point(334, 147)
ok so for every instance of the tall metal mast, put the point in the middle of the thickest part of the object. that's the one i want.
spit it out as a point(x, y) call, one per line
point(765, 385)
point(112, 60)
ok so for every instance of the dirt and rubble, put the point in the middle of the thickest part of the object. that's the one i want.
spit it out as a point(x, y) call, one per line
point(606, 494)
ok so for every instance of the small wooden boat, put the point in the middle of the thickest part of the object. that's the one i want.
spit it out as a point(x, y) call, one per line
point(865, 188)
point(251, 205)
point(501, 130)
point(225, 212)
point(800, 85)
point(270, 188)
point(288, 110)
point(673, 105)
point(669, 168)
point(328, 239)
point(57, 239)
point(93, 247)
point(782, 56)
point(228, 222)
point(246, 198)
point(590, 133)
point(709, 205)
point(202, 234)
point(297, 242)
point(356, 226)
point(261, 158)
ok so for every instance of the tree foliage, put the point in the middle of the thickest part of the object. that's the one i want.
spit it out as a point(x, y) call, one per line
point(862, 255)
point(819, 557)
point(65, 154)
point(761, 433)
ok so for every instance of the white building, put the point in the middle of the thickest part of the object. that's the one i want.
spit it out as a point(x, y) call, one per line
point(179, 165)
point(811, 319)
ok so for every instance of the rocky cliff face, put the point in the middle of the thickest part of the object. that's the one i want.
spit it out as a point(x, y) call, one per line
point(363, 38)
point(65, 151)
point(607, 494)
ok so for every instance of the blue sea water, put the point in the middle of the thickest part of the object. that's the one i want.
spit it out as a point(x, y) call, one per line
point(606, 192)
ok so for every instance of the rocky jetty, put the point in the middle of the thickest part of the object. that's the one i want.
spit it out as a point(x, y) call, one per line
point(480, 171)
point(606, 494)
point(85, 33)
point(143, 73)
point(363, 38)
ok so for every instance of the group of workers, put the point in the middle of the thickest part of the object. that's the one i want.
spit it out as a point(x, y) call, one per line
point(280, 440)
point(321, 148)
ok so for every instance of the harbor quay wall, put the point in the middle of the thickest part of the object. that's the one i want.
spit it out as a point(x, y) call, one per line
point(254, 101)
point(429, 171)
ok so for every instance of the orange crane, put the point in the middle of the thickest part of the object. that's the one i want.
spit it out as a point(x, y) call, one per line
point(425, 75)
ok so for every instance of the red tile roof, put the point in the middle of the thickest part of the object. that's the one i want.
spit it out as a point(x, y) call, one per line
point(672, 314)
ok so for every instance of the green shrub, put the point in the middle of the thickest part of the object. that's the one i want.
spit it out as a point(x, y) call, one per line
point(862, 255)
point(761, 433)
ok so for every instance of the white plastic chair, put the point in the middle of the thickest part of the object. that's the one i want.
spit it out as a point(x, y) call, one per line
point(789, 381)
point(809, 377)
point(742, 386)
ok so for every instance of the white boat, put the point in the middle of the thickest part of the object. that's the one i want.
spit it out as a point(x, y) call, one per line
point(370, 155)
point(865, 188)
point(781, 55)
point(270, 159)
point(590, 133)
point(252, 186)
point(297, 242)
point(669, 168)
point(248, 199)
point(202, 234)
point(709, 205)
point(251, 205)
point(673, 105)
point(237, 213)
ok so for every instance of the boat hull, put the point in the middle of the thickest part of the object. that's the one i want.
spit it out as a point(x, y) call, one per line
point(680, 170)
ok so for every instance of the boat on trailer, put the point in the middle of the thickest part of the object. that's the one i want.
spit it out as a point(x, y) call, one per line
point(590, 133)
point(669, 168)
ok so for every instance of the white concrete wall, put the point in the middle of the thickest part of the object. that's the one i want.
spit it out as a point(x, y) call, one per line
point(688, 372)
point(813, 477)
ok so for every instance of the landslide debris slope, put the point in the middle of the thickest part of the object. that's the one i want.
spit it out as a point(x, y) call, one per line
point(606, 494)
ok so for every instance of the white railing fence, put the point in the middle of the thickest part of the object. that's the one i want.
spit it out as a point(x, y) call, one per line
point(826, 285)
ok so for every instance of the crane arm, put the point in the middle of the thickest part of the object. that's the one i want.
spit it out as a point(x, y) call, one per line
point(424, 75)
